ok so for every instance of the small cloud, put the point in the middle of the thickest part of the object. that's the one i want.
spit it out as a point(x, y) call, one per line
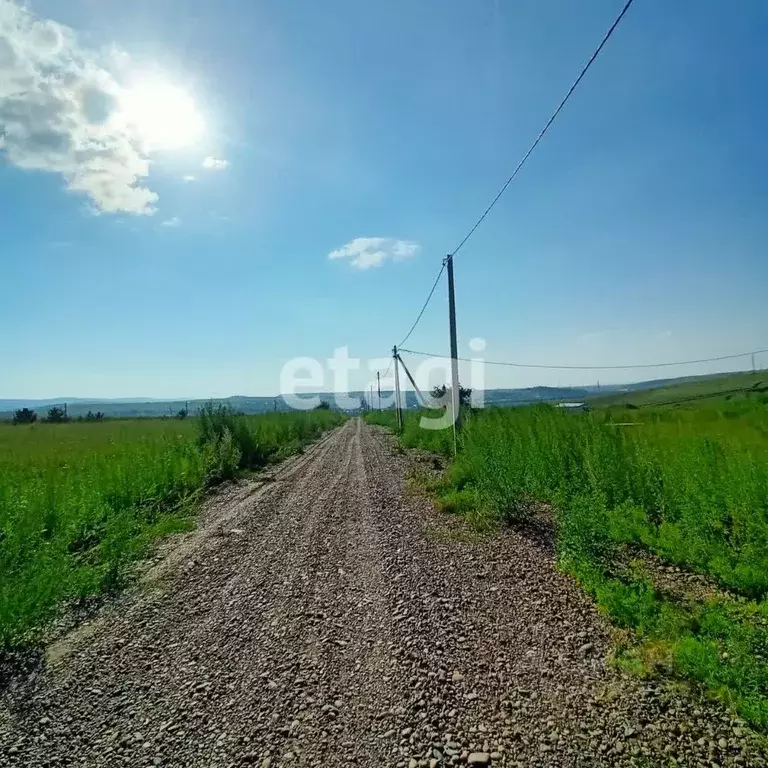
point(215, 164)
point(189, 178)
point(367, 252)
point(174, 222)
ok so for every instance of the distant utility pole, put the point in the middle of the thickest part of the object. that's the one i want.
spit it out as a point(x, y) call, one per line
point(455, 391)
point(378, 386)
point(397, 390)
point(753, 363)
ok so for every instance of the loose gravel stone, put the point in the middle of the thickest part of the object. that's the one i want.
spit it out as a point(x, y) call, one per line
point(329, 618)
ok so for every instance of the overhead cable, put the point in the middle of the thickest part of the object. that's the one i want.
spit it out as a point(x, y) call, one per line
point(547, 126)
point(589, 367)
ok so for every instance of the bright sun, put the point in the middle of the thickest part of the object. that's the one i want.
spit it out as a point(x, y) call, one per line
point(164, 115)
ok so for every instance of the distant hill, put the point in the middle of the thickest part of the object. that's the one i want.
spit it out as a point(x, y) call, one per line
point(687, 389)
point(9, 405)
point(643, 392)
point(138, 408)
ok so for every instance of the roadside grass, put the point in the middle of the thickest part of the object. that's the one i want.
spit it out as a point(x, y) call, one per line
point(687, 484)
point(79, 502)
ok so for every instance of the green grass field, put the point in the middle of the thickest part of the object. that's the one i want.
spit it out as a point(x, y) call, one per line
point(79, 502)
point(680, 392)
point(688, 484)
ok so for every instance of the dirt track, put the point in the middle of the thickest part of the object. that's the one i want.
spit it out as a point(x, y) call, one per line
point(327, 619)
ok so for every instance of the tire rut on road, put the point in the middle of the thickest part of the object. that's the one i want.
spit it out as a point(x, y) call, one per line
point(334, 620)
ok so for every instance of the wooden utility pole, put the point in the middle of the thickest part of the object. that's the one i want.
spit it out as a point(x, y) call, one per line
point(397, 389)
point(455, 387)
point(378, 387)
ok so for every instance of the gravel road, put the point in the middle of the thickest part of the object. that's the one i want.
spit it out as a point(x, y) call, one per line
point(328, 618)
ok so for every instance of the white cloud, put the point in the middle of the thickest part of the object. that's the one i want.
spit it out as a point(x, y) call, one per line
point(189, 177)
point(58, 114)
point(367, 252)
point(174, 222)
point(215, 164)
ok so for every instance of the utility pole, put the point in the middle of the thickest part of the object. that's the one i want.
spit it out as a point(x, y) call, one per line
point(378, 387)
point(753, 362)
point(455, 391)
point(397, 390)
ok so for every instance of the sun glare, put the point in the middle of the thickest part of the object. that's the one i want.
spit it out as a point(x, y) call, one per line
point(164, 115)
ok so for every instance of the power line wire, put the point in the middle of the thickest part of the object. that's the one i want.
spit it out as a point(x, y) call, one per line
point(520, 164)
point(546, 127)
point(589, 367)
point(426, 304)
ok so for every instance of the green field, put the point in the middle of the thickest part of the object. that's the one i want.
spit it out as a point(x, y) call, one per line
point(725, 388)
point(686, 484)
point(79, 502)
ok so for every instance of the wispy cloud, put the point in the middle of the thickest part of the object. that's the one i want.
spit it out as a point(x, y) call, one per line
point(188, 178)
point(367, 252)
point(59, 113)
point(215, 164)
point(174, 222)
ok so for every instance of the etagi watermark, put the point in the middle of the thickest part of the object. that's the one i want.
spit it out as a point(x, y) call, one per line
point(304, 375)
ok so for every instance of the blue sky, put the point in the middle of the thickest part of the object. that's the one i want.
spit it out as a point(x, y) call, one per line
point(636, 232)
